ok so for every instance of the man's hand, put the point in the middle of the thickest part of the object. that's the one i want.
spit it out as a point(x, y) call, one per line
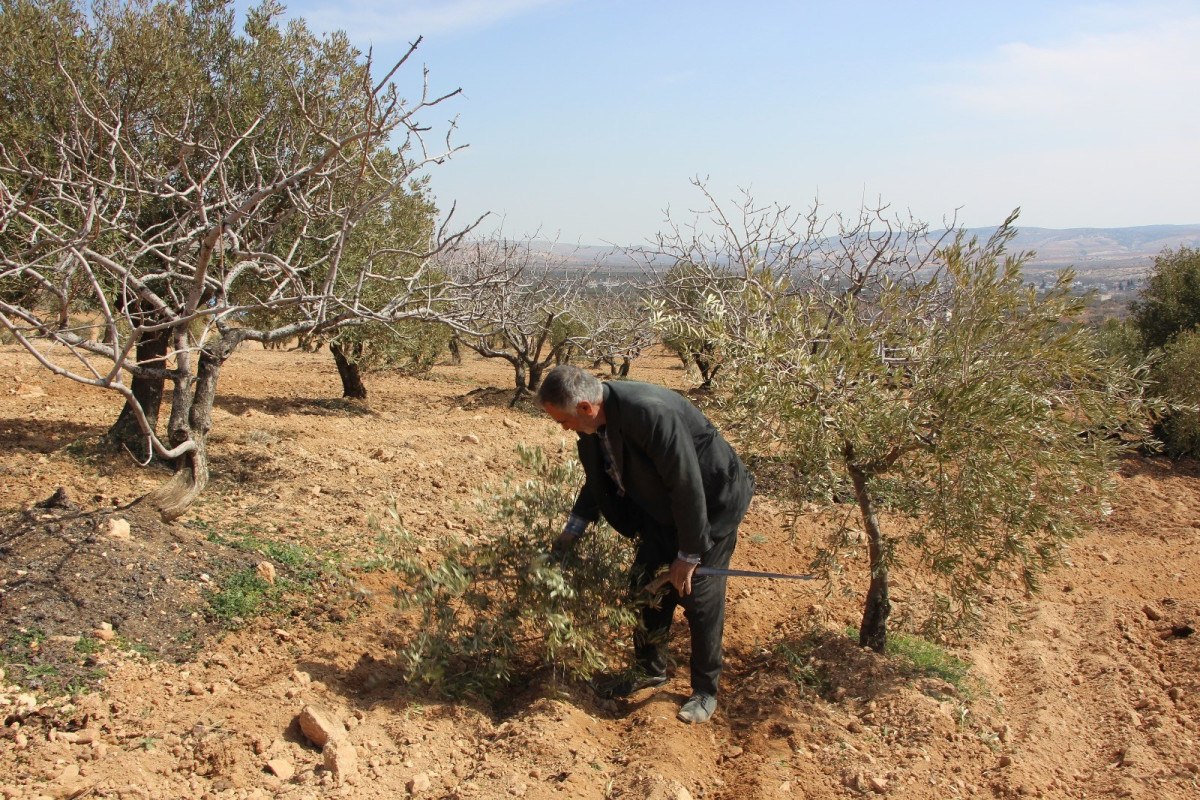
point(563, 545)
point(681, 576)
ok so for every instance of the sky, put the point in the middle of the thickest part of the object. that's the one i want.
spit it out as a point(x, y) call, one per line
point(586, 121)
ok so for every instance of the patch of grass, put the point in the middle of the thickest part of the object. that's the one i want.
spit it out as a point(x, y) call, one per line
point(300, 566)
point(924, 659)
point(24, 639)
point(52, 668)
point(240, 596)
point(141, 649)
point(245, 593)
point(35, 671)
point(88, 645)
point(84, 683)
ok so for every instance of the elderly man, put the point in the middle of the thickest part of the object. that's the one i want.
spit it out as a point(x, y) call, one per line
point(660, 473)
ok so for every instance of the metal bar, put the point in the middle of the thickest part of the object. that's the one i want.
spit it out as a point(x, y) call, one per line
point(655, 586)
point(748, 573)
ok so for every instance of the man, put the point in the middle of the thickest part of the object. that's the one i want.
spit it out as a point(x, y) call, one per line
point(659, 472)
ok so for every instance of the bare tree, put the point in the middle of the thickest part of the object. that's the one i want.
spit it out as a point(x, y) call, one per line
point(526, 312)
point(618, 326)
point(179, 196)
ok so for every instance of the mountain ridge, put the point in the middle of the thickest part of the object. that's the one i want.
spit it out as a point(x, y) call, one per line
point(1096, 254)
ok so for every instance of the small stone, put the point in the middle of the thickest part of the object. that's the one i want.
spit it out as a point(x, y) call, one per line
point(877, 785)
point(471, 438)
point(1152, 613)
point(283, 768)
point(341, 759)
point(682, 793)
point(1005, 761)
point(418, 783)
point(266, 571)
point(733, 752)
point(70, 774)
point(318, 726)
point(508, 423)
point(118, 529)
point(85, 736)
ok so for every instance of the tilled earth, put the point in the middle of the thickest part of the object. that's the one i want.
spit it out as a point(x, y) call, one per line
point(1089, 690)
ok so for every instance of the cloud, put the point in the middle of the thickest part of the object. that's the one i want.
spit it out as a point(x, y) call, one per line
point(1141, 76)
point(391, 21)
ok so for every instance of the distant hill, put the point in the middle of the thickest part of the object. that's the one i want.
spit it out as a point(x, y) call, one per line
point(1096, 254)
point(1101, 253)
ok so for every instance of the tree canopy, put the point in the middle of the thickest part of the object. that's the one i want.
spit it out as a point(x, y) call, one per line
point(914, 371)
point(165, 176)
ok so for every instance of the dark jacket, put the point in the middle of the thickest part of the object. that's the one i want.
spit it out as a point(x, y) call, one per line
point(682, 479)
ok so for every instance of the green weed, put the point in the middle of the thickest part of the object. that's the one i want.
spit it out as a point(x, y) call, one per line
point(240, 596)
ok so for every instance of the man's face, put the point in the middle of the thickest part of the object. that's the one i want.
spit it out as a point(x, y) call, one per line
point(585, 419)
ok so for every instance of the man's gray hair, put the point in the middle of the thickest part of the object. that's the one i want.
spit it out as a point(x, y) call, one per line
point(566, 386)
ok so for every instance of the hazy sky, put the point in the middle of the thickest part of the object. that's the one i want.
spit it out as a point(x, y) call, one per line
point(585, 119)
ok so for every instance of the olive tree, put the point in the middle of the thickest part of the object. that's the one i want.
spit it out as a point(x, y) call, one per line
point(166, 179)
point(915, 371)
point(680, 291)
point(1166, 322)
point(1170, 301)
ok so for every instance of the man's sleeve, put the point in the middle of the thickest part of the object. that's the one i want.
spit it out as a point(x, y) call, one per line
point(586, 508)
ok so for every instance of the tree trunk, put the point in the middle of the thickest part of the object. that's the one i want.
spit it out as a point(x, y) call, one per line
point(522, 390)
point(535, 376)
point(191, 419)
point(705, 363)
point(347, 366)
point(148, 393)
point(873, 631)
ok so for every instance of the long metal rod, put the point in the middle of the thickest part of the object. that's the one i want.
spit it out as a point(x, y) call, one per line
point(655, 586)
point(749, 573)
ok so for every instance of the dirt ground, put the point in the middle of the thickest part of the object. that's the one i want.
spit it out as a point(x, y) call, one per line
point(1090, 690)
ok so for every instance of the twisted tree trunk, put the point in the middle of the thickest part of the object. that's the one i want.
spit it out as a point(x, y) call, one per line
point(191, 420)
point(346, 359)
point(147, 393)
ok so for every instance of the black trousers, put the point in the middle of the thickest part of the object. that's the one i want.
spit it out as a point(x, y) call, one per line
point(704, 610)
